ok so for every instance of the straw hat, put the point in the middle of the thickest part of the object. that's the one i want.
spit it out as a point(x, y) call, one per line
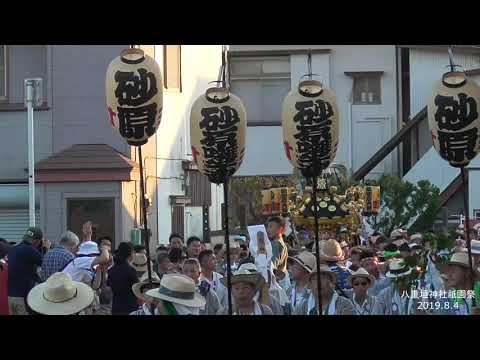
point(140, 262)
point(331, 251)
point(306, 260)
point(139, 289)
point(398, 268)
point(416, 236)
point(60, 295)
point(178, 289)
point(397, 233)
point(248, 273)
point(88, 248)
point(361, 272)
point(326, 270)
point(460, 259)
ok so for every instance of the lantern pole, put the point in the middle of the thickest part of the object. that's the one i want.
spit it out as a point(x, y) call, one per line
point(223, 81)
point(227, 244)
point(317, 253)
point(144, 215)
point(309, 60)
point(465, 185)
point(466, 226)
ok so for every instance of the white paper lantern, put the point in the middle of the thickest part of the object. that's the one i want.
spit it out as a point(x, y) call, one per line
point(310, 120)
point(134, 92)
point(453, 118)
point(218, 127)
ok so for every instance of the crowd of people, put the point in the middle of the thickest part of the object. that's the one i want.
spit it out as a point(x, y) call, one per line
point(396, 275)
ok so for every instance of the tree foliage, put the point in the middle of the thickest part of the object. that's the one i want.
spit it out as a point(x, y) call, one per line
point(405, 205)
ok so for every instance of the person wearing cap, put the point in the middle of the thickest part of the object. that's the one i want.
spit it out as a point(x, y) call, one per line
point(332, 303)
point(369, 262)
point(208, 263)
point(121, 278)
point(60, 295)
point(57, 258)
point(302, 265)
point(140, 263)
point(458, 278)
point(332, 254)
point(176, 295)
point(397, 298)
point(191, 268)
point(139, 290)
point(23, 263)
point(246, 281)
point(361, 281)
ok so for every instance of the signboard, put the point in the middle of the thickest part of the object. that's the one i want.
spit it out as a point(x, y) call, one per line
point(275, 201)
point(180, 200)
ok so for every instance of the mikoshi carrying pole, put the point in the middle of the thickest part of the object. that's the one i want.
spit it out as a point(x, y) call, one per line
point(317, 242)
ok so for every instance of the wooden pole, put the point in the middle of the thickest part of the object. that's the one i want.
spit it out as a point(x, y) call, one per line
point(317, 242)
point(466, 226)
point(227, 244)
point(145, 224)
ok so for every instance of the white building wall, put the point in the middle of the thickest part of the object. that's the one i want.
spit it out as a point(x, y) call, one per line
point(265, 154)
point(427, 67)
point(200, 64)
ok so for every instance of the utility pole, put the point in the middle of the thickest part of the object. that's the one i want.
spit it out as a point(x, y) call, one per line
point(33, 97)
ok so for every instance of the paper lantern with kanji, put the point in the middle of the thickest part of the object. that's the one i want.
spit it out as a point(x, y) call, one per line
point(134, 92)
point(310, 119)
point(453, 118)
point(218, 128)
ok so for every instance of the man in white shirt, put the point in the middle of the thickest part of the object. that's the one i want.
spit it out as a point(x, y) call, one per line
point(208, 263)
point(89, 266)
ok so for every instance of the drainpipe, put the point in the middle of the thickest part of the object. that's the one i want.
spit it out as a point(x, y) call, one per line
point(350, 119)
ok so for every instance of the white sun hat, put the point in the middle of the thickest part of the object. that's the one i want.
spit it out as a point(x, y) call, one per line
point(60, 295)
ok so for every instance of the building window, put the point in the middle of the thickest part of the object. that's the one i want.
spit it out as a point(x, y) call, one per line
point(262, 83)
point(3, 72)
point(476, 214)
point(172, 67)
point(367, 88)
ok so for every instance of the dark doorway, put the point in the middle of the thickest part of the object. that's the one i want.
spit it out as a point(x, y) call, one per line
point(101, 212)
